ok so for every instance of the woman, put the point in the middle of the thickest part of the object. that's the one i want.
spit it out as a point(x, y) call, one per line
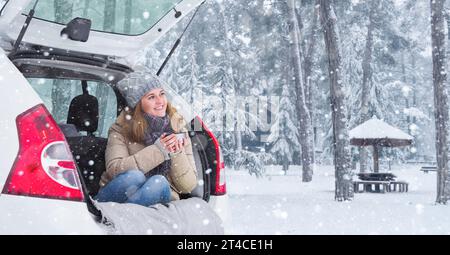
point(145, 162)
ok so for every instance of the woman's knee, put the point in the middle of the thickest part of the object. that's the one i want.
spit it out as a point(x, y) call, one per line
point(157, 184)
point(133, 177)
point(155, 190)
point(121, 187)
point(159, 179)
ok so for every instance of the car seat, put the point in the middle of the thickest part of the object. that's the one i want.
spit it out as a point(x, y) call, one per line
point(88, 150)
point(83, 112)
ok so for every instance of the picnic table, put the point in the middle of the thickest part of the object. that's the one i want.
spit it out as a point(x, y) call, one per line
point(377, 176)
point(427, 169)
point(379, 183)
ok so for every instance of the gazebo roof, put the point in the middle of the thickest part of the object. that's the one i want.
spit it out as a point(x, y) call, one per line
point(378, 132)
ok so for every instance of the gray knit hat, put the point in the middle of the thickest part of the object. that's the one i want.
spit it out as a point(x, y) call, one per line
point(137, 84)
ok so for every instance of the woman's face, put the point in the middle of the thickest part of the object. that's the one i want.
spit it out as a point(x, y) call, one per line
point(155, 102)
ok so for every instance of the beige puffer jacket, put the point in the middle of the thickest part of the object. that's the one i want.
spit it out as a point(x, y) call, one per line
point(123, 155)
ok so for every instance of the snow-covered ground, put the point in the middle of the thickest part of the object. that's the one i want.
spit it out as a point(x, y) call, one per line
point(278, 204)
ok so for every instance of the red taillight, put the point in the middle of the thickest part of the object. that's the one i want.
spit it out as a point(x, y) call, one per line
point(220, 187)
point(44, 166)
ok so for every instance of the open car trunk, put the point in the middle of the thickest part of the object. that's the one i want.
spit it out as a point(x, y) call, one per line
point(46, 52)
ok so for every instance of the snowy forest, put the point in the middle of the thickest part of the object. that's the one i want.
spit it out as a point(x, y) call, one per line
point(259, 49)
point(284, 82)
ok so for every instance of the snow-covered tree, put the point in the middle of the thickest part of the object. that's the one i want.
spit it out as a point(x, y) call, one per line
point(343, 175)
point(440, 99)
point(284, 132)
point(304, 117)
point(60, 94)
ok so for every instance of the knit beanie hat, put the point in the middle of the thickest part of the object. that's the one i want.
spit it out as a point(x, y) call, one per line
point(137, 84)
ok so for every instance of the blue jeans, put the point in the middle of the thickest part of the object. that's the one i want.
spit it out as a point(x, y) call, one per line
point(133, 187)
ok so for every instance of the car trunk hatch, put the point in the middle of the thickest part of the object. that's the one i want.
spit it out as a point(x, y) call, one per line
point(118, 30)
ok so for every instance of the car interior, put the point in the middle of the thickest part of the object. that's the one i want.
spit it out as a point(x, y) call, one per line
point(84, 125)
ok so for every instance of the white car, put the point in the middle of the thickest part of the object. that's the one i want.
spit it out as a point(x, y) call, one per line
point(58, 82)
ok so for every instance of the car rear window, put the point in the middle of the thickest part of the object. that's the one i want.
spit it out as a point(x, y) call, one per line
point(57, 94)
point(130, 17)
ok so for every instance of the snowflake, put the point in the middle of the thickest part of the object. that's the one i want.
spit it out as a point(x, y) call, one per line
point(419, 209)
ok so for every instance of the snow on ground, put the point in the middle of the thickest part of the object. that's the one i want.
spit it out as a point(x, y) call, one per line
point(278, 204)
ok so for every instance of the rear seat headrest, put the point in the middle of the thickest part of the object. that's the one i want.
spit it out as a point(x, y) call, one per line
point(83, 112)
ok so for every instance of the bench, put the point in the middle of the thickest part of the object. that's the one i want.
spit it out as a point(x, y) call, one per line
point(367, 186)
point(427, 169)
point(401, 186)
point(375, 186)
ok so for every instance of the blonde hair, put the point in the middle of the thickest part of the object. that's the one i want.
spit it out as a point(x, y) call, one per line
point(136, 126)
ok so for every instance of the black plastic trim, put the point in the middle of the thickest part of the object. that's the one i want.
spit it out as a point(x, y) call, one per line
point(3, 8)
point(88, 60)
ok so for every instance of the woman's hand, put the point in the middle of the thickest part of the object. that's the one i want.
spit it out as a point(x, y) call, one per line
point(171, 143)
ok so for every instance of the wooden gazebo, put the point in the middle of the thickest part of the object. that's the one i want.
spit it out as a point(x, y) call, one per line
point(378, 133)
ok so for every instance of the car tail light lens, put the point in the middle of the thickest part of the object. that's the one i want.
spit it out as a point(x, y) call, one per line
point(44, 166)
point(59, 165)
point(220, 187)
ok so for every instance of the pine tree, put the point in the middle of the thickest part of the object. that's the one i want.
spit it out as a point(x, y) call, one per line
point(103, 92)
point(440, 100)
point(60, 94)
point(344, 187)
point(284, 132)
point(304, 117)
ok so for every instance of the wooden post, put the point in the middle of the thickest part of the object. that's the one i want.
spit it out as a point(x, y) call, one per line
point(376, 165)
